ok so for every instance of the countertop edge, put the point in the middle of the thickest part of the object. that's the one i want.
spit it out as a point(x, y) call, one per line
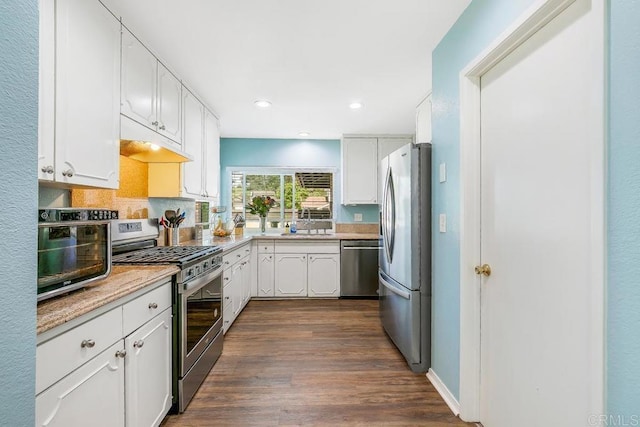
point(123, 281)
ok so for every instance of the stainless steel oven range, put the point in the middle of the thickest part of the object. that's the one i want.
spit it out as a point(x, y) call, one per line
point(197, 300)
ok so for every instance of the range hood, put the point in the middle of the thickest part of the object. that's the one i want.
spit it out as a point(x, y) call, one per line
point(145, 145)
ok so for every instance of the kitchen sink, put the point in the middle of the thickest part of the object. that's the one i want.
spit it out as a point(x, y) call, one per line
point(305, 234)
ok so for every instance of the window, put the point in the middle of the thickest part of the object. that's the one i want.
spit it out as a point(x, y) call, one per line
point(296, 193)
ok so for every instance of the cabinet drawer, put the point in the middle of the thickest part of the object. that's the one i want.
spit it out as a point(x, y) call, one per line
point(308, 247)
point(265, 246)
point(142, 309)
point(61, 355)
point(230, 258)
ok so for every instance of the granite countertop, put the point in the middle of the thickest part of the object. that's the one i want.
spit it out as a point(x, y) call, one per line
point(122, 281)
point(230, 242)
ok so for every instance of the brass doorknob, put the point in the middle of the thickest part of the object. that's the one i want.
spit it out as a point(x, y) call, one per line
point(484, 269)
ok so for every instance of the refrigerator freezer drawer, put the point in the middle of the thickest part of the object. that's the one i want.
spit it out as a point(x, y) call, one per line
point(402, 314)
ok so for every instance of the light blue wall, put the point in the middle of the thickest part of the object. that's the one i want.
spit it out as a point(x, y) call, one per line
point(623, 228)
point(480, 23)
point(18, 225)
point(288, 153)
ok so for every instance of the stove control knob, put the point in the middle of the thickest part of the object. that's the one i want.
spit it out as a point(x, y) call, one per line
point(190, 272)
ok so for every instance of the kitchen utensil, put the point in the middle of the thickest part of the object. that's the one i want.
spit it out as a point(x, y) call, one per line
point(170, 214)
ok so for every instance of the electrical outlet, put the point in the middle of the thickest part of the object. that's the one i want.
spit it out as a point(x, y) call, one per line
point(443, 172)
point(357, 217)
point(443, 223)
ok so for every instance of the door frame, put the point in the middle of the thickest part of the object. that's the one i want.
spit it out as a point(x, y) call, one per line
point(533, 19)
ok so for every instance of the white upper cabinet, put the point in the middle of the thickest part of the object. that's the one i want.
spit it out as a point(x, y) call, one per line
point(79, 94)
point(201, 139)
point(361, 156)
point(359, 171)
point(423, 121)
point(192, 143)
point(169, 104)
point(150, 94)
point(211, 155)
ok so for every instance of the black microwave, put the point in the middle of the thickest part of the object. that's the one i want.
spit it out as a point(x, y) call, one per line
point(74, 249)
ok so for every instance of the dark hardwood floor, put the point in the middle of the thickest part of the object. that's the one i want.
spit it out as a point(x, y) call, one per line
point(313, 362)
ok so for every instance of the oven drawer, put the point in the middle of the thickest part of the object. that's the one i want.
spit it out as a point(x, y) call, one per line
point(142, 309)
point(63, 354)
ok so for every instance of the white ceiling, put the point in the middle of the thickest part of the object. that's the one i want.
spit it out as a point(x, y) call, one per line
point(309, 58)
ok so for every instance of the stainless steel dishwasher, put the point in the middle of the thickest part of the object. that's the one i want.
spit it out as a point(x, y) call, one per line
point(359, 268)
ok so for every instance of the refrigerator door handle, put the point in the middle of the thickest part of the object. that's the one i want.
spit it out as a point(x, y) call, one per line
point(383, 218)
point(391, 219)
point(395, 290)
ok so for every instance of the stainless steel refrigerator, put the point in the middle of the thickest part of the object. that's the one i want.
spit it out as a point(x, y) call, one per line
point(405, 259)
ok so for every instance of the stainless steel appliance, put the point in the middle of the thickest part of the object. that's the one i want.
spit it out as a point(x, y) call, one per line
point(197, 300)
point(405, 259)
point(359, 268)
point(74, 249)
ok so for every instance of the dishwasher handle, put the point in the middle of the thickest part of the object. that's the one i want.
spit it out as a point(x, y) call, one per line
point(357, 248)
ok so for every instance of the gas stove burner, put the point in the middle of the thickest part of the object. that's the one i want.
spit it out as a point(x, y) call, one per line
point(165, 254)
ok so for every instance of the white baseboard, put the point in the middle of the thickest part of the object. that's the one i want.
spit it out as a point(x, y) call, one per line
point(448, 397)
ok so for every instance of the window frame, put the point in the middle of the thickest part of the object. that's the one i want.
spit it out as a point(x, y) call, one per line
point(282, 171)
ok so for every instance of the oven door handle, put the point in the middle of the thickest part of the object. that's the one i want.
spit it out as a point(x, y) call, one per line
point(196, 284)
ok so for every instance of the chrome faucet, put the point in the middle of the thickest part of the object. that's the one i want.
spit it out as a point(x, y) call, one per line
point(308, 220)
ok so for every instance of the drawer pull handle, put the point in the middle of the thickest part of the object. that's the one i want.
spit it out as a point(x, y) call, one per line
point(121, 353)
point(138, 344)
point(87, 344)
point(226, 278)
point(227, 297)
point(153, 305)
point(238, 255)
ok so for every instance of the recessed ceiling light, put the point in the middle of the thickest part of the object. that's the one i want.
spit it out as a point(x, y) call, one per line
point(303, 134)
point(262, 103)
point(356, 105)
point(154, 147)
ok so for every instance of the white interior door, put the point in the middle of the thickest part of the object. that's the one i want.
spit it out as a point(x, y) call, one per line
point(540, 121)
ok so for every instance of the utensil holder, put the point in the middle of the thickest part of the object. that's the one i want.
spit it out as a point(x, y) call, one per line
point(172, 237)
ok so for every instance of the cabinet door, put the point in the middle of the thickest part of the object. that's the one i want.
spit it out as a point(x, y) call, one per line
point(291, 275)
point(139, 81)
point(87, 107)
point(91, 395)
point(324, 275)
point(359, 171)
point(246, 281)
point(211, 155)
point(169, 105)
point(266, 275)
point(192, 144)
point(46, 90)
point(236, 290)
point(148, 372)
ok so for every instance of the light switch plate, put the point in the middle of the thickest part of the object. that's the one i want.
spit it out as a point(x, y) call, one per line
point(443, 172)
point(443, 223)
point(357, 217)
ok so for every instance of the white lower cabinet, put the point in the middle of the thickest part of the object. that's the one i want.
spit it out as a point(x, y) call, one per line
point(237, 281)
point(291, 275)
point(323, 275)
point(148, 372)
point(84, 374)
point(91, 395)
point(265, 275)
point(299, 269)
